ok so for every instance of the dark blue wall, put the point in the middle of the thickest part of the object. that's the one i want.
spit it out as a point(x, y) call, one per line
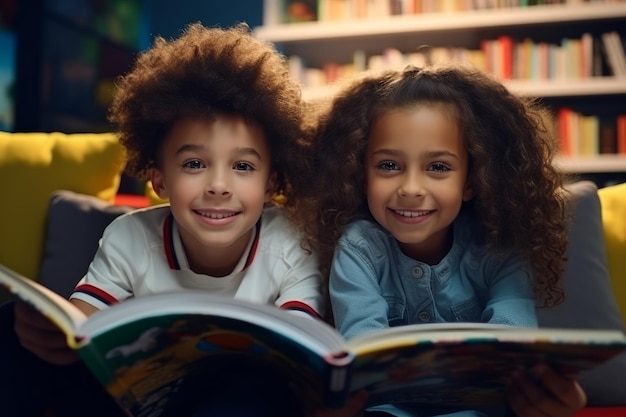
point(169, 17)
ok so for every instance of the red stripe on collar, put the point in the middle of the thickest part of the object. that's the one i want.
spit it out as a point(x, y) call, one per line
point(168, 242)
point(170, 252)
point(254, 246)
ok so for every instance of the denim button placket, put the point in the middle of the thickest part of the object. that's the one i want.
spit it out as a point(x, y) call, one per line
point(417, 272)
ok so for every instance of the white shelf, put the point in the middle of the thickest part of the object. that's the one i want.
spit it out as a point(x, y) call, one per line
point(439, 22)
point(565, 88)
point(606, 163)
point(569, 88)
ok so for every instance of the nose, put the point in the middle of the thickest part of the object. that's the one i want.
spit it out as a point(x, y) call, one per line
point(412, 185)
point(218, 184)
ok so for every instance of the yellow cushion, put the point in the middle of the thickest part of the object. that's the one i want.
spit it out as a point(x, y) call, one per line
point(613, 200)
point(153, 198)
point(32, 166)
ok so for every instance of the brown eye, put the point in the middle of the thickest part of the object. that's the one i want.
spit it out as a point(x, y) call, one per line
point(388, 166)
point(439, 167)
point(193, 164)
point(243, 166)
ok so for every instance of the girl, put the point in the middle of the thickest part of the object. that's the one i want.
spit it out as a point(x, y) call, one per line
point(437, 200)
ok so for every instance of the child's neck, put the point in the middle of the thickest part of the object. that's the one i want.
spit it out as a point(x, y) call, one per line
point(216, 262)
point(431, 253)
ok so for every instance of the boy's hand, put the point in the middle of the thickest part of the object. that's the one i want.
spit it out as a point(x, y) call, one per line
point(353, 408)
point(40, 336)
point(550, 395)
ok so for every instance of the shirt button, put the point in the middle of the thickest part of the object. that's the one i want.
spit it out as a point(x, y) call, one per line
point(417, 272)
point(424, 316)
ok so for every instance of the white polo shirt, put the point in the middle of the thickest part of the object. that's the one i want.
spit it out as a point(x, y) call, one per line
point(141, 253)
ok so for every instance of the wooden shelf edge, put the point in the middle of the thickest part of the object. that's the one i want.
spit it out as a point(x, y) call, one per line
point(607, 163)
point(532, 88)
point(439, 22)
point(569, 88)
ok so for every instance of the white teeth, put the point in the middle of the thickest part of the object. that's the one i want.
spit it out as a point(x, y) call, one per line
point(217, 215)
point(411, 213)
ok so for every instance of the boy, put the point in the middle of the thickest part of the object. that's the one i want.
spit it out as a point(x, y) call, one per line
point(214, 121)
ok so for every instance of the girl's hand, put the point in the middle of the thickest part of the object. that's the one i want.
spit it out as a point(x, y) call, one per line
point(353, 408)
point(549, 395)
point(40, 336)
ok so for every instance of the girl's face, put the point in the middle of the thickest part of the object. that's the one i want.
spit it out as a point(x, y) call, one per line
point(417, 178)
point(216, 175)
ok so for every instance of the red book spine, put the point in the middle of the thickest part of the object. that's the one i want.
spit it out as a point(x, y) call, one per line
point(564, 134)
point(621, 134)
point(506, 45)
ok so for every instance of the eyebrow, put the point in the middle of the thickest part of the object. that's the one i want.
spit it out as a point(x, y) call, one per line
point(431, 154)
point(190, 147)
point(250, 151)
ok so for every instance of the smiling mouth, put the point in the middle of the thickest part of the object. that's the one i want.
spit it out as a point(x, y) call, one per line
point(217, 215)
point(406, 213)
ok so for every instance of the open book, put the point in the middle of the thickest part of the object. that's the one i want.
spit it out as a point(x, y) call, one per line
point(152, 353)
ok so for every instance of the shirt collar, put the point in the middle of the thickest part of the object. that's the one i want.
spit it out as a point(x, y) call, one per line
point(175, 252)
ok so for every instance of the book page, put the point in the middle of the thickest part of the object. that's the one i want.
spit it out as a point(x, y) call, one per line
point(59, 310)
point(315, 334)
point(441, 332)
point(452, 365)
point(156, 354)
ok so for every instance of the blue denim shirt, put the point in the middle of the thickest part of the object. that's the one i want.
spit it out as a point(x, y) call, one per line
point(373, 285)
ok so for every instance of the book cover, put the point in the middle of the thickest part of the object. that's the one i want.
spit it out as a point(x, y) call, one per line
point(155, 354)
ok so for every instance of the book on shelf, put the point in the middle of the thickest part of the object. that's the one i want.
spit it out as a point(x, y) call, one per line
point(614, 51)
point(590, 135)
point(621, 134)
point(568, 122)
point(506, 58)
point(297, 11)
point(589, 144)
point(586, 56)
point(329, 10)
point(152, 353)
point(607, 137)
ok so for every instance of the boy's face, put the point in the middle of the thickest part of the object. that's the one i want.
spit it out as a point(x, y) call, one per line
point(216, 175)
point(416, 170)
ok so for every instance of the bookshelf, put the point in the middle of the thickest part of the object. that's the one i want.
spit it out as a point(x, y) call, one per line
point(318, 42)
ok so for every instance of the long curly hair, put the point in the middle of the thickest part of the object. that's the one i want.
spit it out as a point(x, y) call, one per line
point(203, 73)
point(518, 199)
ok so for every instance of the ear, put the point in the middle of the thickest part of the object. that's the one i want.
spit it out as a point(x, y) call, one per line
point(158, 183)
point(468, 192)
point(270, 187)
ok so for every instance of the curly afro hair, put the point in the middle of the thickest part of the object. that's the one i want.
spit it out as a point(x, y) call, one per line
point(205, 72)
